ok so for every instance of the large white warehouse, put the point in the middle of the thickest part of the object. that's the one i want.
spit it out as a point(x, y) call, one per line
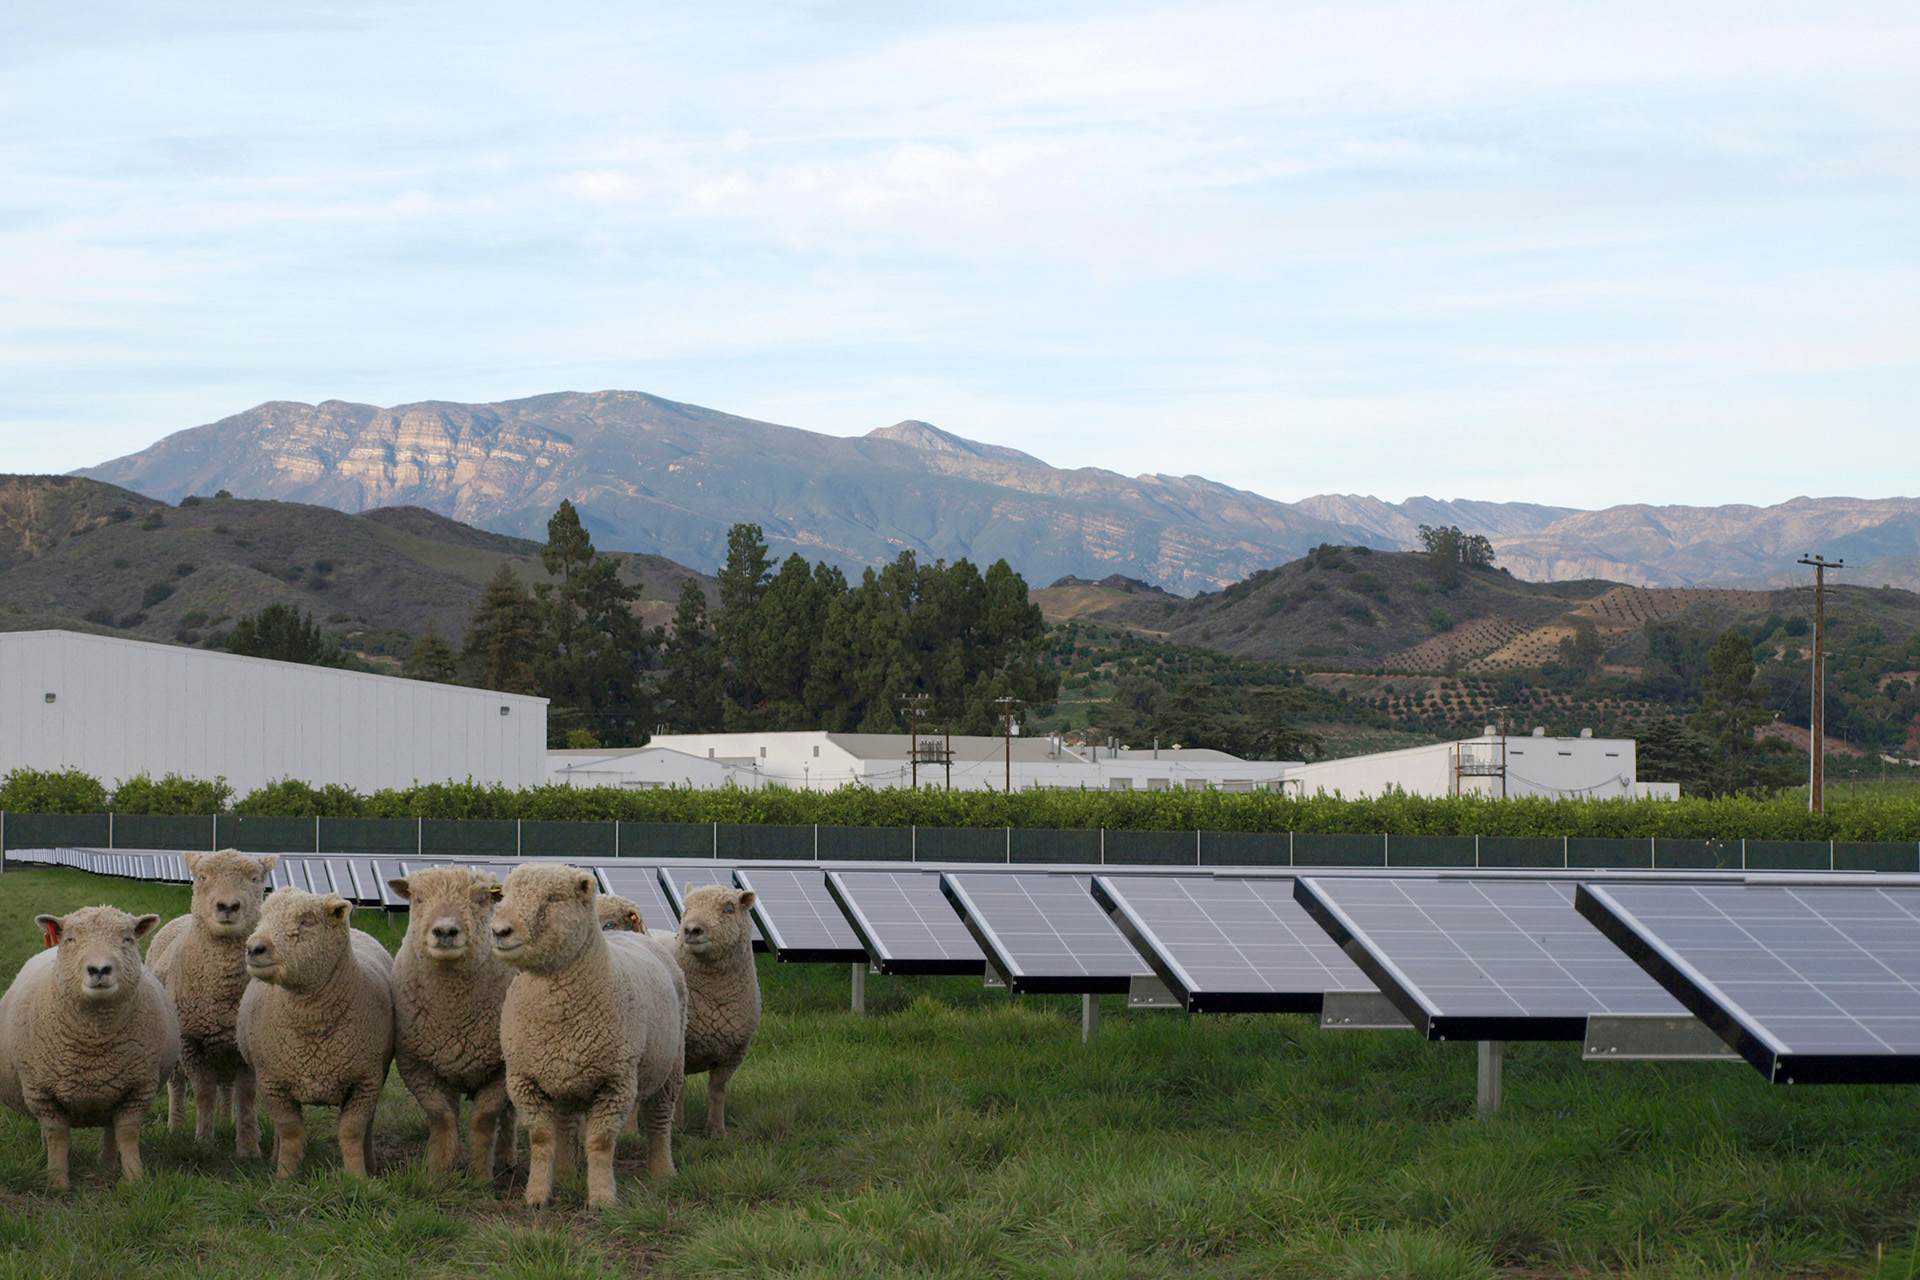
point(1494, 765)
point(115, 708)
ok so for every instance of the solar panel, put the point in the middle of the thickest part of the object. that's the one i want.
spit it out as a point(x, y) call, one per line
point(673, 882)
point(1043, 933)
point(799, 917)
point(385, 869)
point(904, 922)
point(641, 885)
point(1229, 945)
point(1810, 984)
point(1482, 959)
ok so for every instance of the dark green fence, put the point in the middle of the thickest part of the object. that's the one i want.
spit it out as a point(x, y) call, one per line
point(432, 837)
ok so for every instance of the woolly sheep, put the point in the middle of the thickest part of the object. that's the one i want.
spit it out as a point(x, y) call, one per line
point(715, 950)
point(620, 914)
point(316, 1023)
point(447, 991)
point(201, 960)
point(87, 1036)
point(594, 1024)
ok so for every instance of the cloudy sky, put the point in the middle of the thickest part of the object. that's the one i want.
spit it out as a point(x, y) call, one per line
point(1568, 253)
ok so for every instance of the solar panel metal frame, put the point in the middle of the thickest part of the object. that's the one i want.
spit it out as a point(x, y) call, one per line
point(1003, 957)
point(1409, 993)
point(873, 938)
point(1744, 1030)
point(1186, 988)
point(842, 947)
point(720, 873)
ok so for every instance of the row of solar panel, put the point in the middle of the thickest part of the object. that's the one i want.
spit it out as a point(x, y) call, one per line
point(1807, 980)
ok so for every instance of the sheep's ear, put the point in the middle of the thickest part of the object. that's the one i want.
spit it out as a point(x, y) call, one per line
point(496, 892)
point(144, 925)
point(50, 926)
point(684, 892)
point(267, 861)
point(485, 891)
point(337, 907)
point(399, 885)
point(746, 899)
point(633, 918)
point(192, 859)
point(585, 886)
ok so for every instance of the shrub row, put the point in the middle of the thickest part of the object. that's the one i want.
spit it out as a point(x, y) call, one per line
point(1783, 818)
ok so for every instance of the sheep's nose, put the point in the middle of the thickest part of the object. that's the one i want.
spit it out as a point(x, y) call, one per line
point(257, 950)
point(445, 933)
point(693, 932)
point(102, 971)
point(227, 908)
point(501, 932)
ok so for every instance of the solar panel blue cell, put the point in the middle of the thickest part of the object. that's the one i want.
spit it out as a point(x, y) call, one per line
point(904, 922)
point(1043, 932)
point(798, 917)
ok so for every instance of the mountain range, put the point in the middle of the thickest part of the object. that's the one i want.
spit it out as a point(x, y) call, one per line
point(655, 476)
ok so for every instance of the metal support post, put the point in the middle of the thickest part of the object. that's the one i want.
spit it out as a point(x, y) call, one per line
point(1493, 1055)
point(860, 988)
point(1089, 1016)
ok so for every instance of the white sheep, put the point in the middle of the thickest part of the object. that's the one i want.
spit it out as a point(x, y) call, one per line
point(715, 950)
point(620, 914)
point(448, 988)
point(594, 1024)
point(87, 1036)
point(316, 1023)
point(201, 960)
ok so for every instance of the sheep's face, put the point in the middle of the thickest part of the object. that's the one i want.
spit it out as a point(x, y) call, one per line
point(227, 889)
point(715, 919)
point(619, 915)
point(301, 938)
point(450, 911)
point(544, 916)
point(99, 949)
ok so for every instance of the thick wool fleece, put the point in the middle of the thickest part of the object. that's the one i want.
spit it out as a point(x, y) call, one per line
point(316, 1023)
point(620, 914)
point(87, 1035)
point(715, 950)
point(201, 960)
point(594, 1024)
point(447, 990)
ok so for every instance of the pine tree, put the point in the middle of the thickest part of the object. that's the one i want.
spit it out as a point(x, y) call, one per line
point(504, 637)
point(691, 684)
point(594, 647)
point(286, 634)
point(431, 658)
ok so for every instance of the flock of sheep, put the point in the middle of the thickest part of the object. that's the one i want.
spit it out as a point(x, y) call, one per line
point(541, 999)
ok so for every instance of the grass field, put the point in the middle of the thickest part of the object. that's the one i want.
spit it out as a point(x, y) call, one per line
point(958, 1131)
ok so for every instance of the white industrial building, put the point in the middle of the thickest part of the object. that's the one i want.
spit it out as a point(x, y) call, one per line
point(821, 761)
point(114, 708)
point(1494, 765)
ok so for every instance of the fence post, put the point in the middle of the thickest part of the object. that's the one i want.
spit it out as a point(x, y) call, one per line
point(109, 828)
point(1566, 852)
point(1009, 846)
point(913, 842)
point(517, 846)
point(1476, 850)
point(716, 839)
point(419, 837)
point(1196, 862)
point(816, 842)
point(1103, 846)
point(316, 833)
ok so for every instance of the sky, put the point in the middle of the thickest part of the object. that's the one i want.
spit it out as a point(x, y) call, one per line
point(1570, 253)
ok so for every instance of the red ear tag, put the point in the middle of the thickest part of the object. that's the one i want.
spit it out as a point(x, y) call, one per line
point(53, 934)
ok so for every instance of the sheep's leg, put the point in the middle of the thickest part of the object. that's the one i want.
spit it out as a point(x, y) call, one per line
point(126, 1134)
point(566, 1149)
point(223, 1104)
point(484, 1125)
point(206, 1098)
point(717, 1098)
point(599, 1129)
point(176, 1101)
point(246, 1115)
point(680, 1108)
point(356, 1129)
point(540, 1150)
point(109, 1149)
point(442, 1106)
point(507, 1134)
point(659, 1125)
point(289, 1134)
point(58, 1135)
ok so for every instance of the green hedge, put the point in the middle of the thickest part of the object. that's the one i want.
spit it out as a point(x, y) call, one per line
point(1785, 818)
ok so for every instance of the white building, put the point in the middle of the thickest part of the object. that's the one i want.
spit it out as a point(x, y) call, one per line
point(821, 761)
point(114, 708)
point(1493, 764)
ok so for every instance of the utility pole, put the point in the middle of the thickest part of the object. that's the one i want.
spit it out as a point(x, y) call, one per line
point(1007, 704)
point(1817, 721)
point(913, 702)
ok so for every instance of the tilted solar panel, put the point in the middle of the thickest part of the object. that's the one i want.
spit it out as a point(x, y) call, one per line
point(640, 883)
point(1810, 984)
point(904, 922)
point(1482, 959)
point(798, 917)
point(1229, 945)
point(674, 880)
point(1043, 932)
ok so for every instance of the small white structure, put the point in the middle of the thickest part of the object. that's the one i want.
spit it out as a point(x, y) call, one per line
point(821, 761)
point(114, 708)
point(1492, 765)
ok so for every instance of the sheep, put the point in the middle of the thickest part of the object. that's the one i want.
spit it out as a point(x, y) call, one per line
point(87, 1036)
point(201, 960)
point(316, 1022)
point(594, 1024)
point(715, 950)
point(447, 991)
point(620, 914)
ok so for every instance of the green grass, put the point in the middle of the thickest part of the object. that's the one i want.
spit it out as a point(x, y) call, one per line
point(958, 1131)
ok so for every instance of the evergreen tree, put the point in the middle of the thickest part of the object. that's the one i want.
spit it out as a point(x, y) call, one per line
point(568, 548)
point(743, 580)
point(431, 658)
point(1275, 735)
point(594, 647)
point(504, 637)
point(286, 634)
point(691, 684)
